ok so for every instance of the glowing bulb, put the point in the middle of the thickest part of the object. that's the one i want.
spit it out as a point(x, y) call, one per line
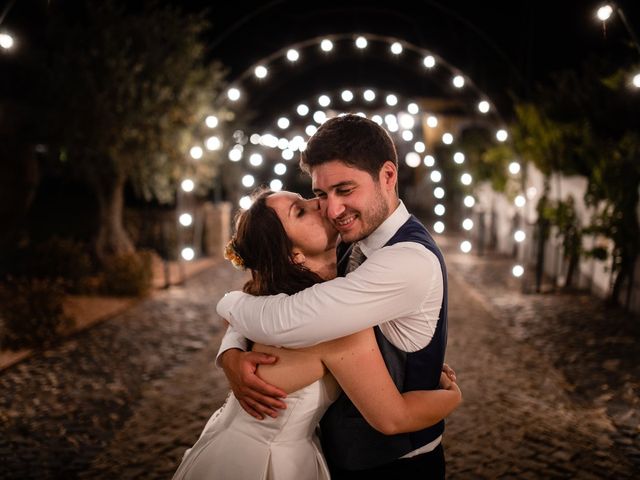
point(324, 100)
point(235, 154)
point(406, 121)
point(280, 168)
point(319, 117)
point(369, 95)
point(412, 159)
point(636, 80)
point(429, 61)
point(517, 271)
point(283, 123)
point(185, 219)
point(413, 108)
point(213, 143)
point(287, 154)
point(438, 192)
point(439, 209)
point(245, 202)
point(391, 100)
point(438, 227)
point(514, 168)
point(432, 121)
point(261, 71)
point(447, 138)
point(465, 246)
point(407, 135)
point(458, 81)
point(378, 119)
point(6, 41)
point(255, 159)
point(396, 48)
point(188, 253)
point(248, 180)
point(293, 55)
point(419, 147)
point(435, 176)
point(196, 153)
point(275, 185)
point(519, 236)
point(469, 201)
point(467, 224)
point(233, 94)
point(501, 135)
point(187, 185)
point(604, 13)
point(429, 161)
point(310, 130)
point(302, 109)
point(466, 179)
point(211, 121)
point(347, 95)
point(458, 157)
point(520, 201)
point(483, 106)
point(326, 45)
point(255, 138)
point(361, 42)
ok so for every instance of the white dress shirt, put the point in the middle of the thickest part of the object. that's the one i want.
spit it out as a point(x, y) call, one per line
point(399, 288)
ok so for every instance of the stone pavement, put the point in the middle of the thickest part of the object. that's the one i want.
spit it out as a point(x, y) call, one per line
point(550, 385)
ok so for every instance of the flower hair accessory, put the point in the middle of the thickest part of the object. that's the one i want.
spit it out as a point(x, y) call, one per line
point(231, 254)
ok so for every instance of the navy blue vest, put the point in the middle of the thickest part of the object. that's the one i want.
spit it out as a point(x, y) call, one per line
point(348, 441)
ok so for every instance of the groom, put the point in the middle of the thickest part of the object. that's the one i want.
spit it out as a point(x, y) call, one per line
point(400, 289)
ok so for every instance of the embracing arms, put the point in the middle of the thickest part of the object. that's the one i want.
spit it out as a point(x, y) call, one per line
point(356, 363)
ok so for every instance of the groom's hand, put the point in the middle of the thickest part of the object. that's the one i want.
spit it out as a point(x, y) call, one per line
point(257, 397)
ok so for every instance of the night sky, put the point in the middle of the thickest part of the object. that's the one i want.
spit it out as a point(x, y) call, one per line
point(504, 47)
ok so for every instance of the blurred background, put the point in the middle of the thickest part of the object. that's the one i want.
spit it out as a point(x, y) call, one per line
point(132, 132)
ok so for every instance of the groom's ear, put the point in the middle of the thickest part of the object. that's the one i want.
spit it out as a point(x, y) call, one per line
point(298, 257)
point(388, 175)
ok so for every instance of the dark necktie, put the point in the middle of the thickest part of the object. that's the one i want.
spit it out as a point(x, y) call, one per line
point(355, 259)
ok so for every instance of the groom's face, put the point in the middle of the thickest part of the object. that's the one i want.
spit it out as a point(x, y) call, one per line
point(351, 199)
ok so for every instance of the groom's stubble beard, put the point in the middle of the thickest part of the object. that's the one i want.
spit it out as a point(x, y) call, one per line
point(372, 217)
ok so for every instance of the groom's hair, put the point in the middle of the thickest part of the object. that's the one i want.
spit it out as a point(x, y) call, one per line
point(354, 140)
point(262, 243)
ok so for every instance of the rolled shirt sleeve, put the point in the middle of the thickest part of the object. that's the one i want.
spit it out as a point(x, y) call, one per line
point(389, 285)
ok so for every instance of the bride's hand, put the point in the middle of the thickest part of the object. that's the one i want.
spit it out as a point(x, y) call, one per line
point(447, 370)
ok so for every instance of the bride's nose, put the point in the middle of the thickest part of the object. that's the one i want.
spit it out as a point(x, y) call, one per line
point(314, 203)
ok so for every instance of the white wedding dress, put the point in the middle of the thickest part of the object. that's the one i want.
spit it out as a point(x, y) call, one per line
point(236, 446)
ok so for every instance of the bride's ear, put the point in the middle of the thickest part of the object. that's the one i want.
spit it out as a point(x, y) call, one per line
point(298, 257)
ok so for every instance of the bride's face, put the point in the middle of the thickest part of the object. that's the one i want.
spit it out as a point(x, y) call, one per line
point(309, 231)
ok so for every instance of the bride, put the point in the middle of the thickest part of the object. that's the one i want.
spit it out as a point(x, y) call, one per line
point(287, 245)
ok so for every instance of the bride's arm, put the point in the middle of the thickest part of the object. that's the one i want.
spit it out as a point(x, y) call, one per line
point(357, 364)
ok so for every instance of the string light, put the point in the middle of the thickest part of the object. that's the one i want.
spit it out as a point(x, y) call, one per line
point(196, 153)
point(245, 202)
point(391, 100)
point(213, 143)
point(185, 219)
point(248, 181)
point(407, 135)
point(361, 43)
point(324, 100)
point(438, 227)
point(187, 185)
point(604, 13)
point(469, 201)
point(369, 95)
point(438, 192)
point(501, 135)
point(293, 55)
point(302, 110)
point(347, 95)
point(435, 176)
point(514, 168)
point(233, 94)
point(255, 159)
point(458, 81)
point(517, 271)
point(467, 224)
point(458, 157)
point(520, 201)
point(283, 123)
point(429, 61)
point(396, 48)
point(211, 121)
point(261, 71)
point(447, 138)
point(419, 147)
point(432, 121)
point(429, 161)
point(412, 159)
point(275, 185)
point(439, 209)
point(310, 130)
point(188, 254)
point(326, 45)
point(465, 246)
point(519, 236)
point(280, 168)
point(466, 179)
point(483, 106)
point(6, 41)
point(413, 108)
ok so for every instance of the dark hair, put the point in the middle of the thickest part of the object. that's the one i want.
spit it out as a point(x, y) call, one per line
point(262, 243)
point(352, 139)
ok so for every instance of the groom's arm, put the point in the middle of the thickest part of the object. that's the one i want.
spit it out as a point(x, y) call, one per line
point(391, 284)
point(256, 397)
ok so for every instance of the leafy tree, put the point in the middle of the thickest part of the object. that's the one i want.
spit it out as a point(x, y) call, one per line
point(131, 87)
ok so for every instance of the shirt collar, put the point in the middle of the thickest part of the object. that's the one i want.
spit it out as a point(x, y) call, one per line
point(381, 235)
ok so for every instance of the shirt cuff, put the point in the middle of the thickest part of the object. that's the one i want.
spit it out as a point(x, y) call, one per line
point(231, 339)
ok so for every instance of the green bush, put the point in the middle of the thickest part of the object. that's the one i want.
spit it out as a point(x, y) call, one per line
point(31, 313)
point(129, 274)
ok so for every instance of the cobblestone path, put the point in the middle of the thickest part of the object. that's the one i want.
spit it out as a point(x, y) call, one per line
point(548, 393)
